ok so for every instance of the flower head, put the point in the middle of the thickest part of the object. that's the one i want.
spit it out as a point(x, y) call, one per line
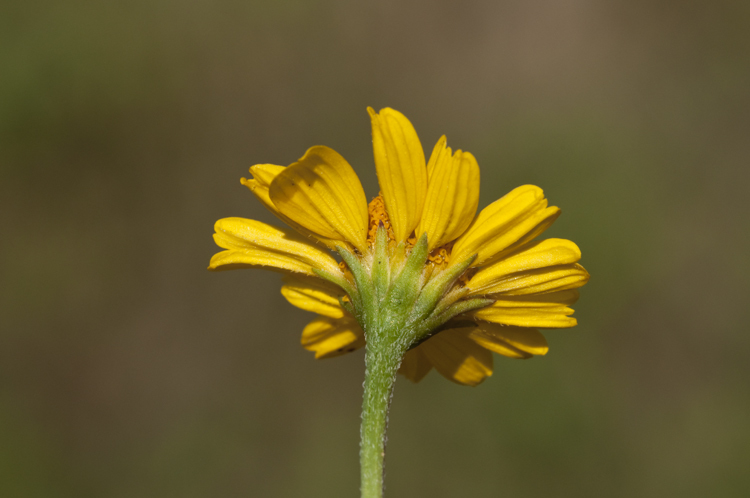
point(446, 286)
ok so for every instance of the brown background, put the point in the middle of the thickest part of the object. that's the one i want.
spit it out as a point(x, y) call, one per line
point(127, 369)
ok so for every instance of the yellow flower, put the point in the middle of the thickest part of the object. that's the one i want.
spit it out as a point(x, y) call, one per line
point(417, 258)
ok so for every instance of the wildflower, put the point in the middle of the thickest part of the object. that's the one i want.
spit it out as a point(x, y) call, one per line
point(424, 281)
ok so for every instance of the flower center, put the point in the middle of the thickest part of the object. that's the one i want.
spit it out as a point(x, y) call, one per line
point(377, 214)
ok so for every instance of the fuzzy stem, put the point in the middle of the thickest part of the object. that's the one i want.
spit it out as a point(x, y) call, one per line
point(381, 361)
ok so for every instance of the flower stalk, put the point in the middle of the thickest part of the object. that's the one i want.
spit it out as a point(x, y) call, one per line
point(381, 362)
point(395, 305)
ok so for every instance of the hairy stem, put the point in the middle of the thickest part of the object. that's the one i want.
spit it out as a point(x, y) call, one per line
point(381, 362)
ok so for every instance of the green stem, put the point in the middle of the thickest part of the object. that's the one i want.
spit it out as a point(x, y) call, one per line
point(381, 362)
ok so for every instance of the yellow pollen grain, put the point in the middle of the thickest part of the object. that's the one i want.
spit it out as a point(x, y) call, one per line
point(378, 214)
point(441, 255)
point(347, 272)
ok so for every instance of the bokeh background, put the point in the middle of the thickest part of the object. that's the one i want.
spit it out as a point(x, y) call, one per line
point(128, 370)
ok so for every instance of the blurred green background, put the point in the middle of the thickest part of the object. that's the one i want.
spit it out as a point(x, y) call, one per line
point(128, 370)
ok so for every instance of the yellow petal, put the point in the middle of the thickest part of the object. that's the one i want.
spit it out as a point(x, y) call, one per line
point(250, 244)
point(537, 281)
point(498, 346)
point(457, 357)
point(328, 337)
point(437, 151)
point(513, 219)
point(546, 254)
point(533, 311)
point(399, 161)
point(567, 297)
point(322, 193)
point(313, 294)
point(452, 196)
point(513, 342)
point(543, 221)
point(415, 365)
point(263, 175)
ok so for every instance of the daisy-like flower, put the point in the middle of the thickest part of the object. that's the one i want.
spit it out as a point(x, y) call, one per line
point(424, 281)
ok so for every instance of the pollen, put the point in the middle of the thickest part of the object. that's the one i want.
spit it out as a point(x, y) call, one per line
point(377, 215)
point(441, 255)
point(437, 259)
